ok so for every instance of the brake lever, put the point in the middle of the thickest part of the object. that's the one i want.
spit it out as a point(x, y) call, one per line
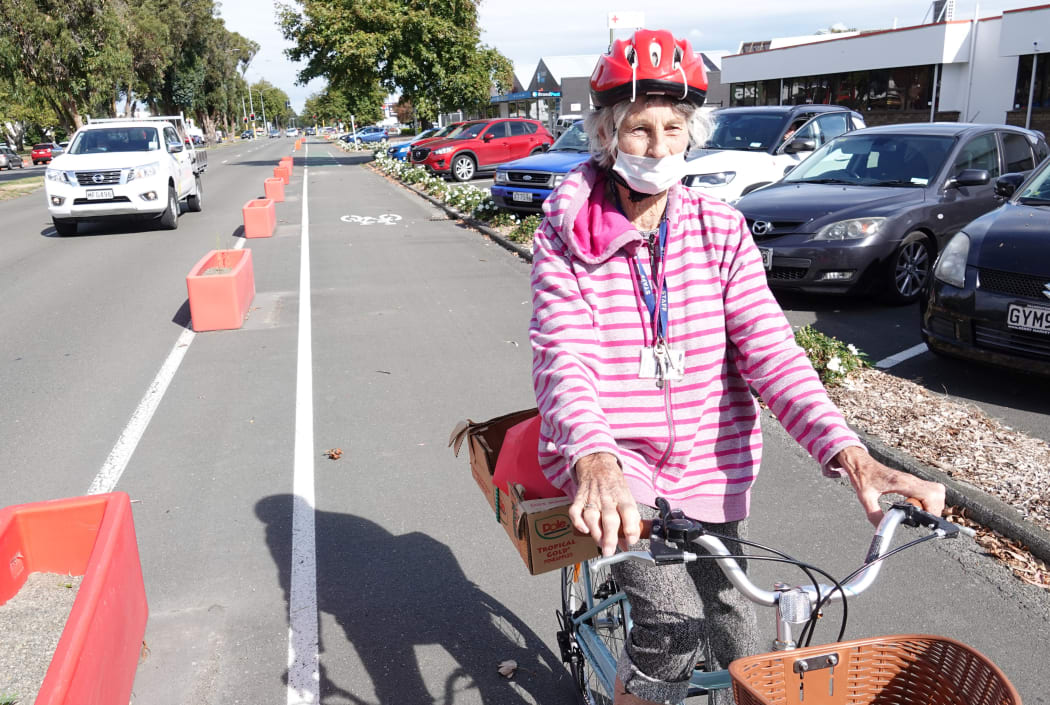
point(918, 517)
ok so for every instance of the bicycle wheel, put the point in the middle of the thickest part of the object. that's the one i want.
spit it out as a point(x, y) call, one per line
point(610, 626)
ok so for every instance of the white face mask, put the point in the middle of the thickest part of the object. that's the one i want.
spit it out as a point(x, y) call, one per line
point(650, 175)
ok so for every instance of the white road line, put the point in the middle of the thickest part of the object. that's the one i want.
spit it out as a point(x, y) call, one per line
point(304, 680)
point(888, 362)
point(113, 468)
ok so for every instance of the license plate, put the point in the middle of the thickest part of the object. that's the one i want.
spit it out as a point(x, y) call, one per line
point(524, 197)
point(767, 257)
point(1031, 318)
point(100, 194)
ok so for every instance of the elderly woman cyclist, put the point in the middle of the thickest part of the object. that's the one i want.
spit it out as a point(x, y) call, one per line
point(652, 322)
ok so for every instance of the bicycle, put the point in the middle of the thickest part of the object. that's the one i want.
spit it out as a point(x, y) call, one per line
point(595, 617)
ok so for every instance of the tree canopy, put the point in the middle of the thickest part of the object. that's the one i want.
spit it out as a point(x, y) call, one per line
point(63, 59)
point(429, 52)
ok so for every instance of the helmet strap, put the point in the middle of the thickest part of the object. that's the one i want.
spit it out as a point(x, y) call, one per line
point(635, 196)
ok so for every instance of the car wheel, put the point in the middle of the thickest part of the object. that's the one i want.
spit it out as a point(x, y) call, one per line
point(909, 269)
point(538, 150)
point(195, 202)
point(35, 162)
point(463, 168)
point(65, 227)
point(169, 219)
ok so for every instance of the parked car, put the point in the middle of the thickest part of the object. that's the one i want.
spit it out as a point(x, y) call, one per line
point(524, 184)
point(366, 135)
point(870, 210)
point(752, 147)
point(45, 152)
point(989, 297)
point(393, 130)
point(9, 159)
point(400, 151)
point(481, 146)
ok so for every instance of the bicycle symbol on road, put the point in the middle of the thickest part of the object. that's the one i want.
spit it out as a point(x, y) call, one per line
point(384, 219)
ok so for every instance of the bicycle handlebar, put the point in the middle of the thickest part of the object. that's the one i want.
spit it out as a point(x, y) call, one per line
point(673, 529)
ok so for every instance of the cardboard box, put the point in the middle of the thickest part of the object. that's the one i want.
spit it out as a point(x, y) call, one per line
point(540, 529)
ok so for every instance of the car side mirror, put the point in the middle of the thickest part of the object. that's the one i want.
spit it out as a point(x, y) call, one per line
point(174, 148)
point(970, 177)
point(1007, 184)
point(487, 137)
point(800, 144)
point(788, 169)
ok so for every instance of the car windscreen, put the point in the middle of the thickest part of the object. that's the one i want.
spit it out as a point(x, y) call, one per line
point(1037, 192)
point(471, 129)
point(572, 140)
point(876, 160)
point(116, 139)
point(750, 132)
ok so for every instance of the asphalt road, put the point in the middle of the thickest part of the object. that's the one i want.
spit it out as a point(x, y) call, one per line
point(415, 323)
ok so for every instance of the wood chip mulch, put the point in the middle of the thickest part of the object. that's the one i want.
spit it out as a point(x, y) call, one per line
point(963, 442)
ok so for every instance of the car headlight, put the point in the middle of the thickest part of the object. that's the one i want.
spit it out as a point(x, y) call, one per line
point(854, 229)
point(718, 178)
point(502, 177)
point(443, 150)
point(141, 172)
point(951, 265)
point(558, 178)
point(63, 177)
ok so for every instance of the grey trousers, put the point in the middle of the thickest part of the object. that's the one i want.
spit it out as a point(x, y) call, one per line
point(681, 612)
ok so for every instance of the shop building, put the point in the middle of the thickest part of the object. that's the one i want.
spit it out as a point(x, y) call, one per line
point(978, 70)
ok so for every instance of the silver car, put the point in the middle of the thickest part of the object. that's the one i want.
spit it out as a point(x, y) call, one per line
point(9, 159)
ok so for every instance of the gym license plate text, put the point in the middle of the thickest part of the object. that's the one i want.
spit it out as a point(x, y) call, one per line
point(100, 194)
point(767, 257)
point(1030, 318)
point(524, 197)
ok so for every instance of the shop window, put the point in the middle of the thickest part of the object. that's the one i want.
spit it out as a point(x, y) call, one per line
point(1041, 95)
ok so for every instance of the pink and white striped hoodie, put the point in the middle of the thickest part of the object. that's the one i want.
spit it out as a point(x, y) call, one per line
point(696, 441)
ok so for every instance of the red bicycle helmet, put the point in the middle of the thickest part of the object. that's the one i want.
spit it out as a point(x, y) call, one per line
point(649, 63)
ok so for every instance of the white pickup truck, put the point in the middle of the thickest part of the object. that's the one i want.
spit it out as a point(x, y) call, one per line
point(125, 168)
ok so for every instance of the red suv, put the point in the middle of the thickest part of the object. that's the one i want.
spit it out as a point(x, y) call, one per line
point(45, 152)
point(482, 145)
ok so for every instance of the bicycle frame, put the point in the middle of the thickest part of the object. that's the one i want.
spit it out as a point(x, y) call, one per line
point(604, 662)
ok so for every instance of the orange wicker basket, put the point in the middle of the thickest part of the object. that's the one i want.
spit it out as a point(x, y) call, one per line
point(904, 669)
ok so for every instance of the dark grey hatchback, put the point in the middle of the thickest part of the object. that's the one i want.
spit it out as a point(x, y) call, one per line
point(870, 210)
point(989, 297)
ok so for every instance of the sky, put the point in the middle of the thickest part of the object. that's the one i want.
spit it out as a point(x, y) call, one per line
point(526, 31)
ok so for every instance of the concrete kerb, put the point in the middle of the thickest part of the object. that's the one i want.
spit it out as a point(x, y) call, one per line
point(980, 506)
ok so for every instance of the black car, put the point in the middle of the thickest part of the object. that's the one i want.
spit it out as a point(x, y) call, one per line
point(989, 297)
point(870, 210)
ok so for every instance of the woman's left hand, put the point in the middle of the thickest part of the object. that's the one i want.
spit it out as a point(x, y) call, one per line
point(871, 479)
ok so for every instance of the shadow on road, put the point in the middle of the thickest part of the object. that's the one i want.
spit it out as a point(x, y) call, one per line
point(393, 593)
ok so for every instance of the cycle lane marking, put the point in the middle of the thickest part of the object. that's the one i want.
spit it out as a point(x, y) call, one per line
point(897, 358)
point(304, 680)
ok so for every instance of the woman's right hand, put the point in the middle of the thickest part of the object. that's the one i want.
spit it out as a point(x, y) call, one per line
point(603, 503)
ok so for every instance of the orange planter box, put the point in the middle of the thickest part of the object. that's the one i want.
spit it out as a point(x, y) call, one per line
point(219, 299)
point(283, 173)
point(93, 536)
point(274, 192)
point(260, 216)
point(288, 162)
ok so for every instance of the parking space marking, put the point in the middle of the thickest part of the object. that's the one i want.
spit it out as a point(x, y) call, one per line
point(304, 683)
point(888, 362)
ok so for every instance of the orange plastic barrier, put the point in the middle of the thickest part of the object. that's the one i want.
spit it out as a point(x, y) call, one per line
point(219, 299)
point(93, 536)
point(274, 189)
point(260, 216)
point(282, 172)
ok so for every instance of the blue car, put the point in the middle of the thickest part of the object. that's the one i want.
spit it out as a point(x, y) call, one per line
point(523, 185)
point(372, 133)
point(400, 151)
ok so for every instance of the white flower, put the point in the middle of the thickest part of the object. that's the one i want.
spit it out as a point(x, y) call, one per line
point(835, 364)
point(853, 349)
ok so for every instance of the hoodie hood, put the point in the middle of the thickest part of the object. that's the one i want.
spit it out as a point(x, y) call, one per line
point(587, 220)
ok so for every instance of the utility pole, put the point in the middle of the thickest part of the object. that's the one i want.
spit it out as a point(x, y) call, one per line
point(266, 125)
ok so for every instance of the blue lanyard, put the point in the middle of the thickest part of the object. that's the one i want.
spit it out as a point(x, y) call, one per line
point(648, 285)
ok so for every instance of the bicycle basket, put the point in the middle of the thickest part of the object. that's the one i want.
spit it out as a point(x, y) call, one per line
point(903, 669)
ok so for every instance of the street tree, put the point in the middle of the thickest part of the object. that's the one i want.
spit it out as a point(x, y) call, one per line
point(429, 52)
point(73, 51)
